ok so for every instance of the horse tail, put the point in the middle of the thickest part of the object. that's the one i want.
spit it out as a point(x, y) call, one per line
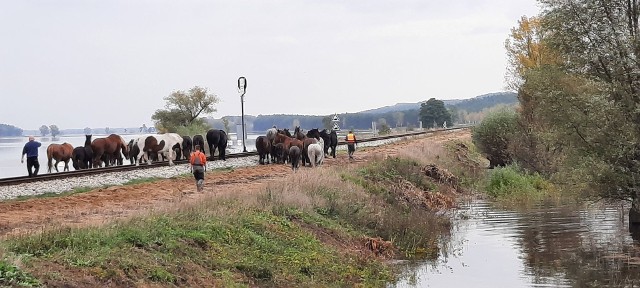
point(49, 157)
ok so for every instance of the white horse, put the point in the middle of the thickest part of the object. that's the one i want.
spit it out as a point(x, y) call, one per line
point(161, 145)
point(315, 152)
point(271, 134)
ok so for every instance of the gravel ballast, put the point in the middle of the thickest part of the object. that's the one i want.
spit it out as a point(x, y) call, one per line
point(120, 178)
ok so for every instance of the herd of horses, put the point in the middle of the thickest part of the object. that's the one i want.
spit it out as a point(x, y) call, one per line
point(280, 146)
point(277, 146)
point(112, 150)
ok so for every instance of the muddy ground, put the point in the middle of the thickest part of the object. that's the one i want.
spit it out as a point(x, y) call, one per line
point(100, 206)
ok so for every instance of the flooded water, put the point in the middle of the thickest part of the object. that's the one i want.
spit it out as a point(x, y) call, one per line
point(544, 246)
point(11, 150)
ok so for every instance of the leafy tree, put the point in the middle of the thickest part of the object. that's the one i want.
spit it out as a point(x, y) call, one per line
point(494, 135)
point(592, 103)
point(433, 113)
point(55, 131)
point(384, 129)
point(529, 55)
point(87, 131)
point(182, 109)
point(44, 130)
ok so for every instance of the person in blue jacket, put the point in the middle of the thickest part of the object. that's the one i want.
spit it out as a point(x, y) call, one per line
point(31, 150)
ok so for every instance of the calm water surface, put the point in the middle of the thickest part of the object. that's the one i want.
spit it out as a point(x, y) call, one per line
point(11, 151)
point(544, 246)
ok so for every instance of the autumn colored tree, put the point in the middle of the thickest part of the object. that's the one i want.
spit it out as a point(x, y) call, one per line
point(528, 53)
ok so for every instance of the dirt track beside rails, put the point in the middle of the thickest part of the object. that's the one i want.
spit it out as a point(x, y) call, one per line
point(102, 206)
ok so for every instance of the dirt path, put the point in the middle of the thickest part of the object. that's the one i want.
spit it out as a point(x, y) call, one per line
point(105, 205)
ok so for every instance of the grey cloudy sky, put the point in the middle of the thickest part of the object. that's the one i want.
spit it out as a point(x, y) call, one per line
point(110, 63)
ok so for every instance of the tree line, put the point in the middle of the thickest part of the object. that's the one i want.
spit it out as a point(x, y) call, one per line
point(10, 130)
point(575, 67)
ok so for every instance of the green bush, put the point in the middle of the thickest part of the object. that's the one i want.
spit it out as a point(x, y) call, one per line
point(385, 129)
point(511, 181)
point(493, 136)
point(12, 276)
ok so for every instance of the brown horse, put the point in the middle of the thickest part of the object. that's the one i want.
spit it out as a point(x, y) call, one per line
point(59, 152)
point(109, 147)
point(286, 143)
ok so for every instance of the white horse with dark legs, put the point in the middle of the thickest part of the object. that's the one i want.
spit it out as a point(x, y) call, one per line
point(160, 144)
point(315, 152)
point(271, 136)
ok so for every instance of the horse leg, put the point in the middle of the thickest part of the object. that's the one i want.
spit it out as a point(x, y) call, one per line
point(171, 155)
point(56, 165)
point(66, 165)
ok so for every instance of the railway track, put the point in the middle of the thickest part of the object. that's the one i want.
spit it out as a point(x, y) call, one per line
point(79, 173)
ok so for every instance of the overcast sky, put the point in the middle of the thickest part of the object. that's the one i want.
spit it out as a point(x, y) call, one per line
point(110, 63)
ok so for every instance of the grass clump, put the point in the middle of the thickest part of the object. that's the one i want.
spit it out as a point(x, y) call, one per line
point(141, 180)
point(197, 247)
point(12, 276)
point(511, 182)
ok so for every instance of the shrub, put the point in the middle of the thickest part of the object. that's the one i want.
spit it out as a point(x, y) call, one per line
point(511, 181)
point(385, 129)
point(494, 135)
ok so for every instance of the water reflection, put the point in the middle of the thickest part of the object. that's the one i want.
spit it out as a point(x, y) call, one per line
point(547, 245)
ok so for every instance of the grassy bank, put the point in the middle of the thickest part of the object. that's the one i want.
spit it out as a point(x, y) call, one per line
point(322, 227)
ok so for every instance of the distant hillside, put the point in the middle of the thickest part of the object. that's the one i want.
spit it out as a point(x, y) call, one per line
point(474, 104)
point(481, 102)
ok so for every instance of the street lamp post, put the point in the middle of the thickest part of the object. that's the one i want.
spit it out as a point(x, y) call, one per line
point(242, 87)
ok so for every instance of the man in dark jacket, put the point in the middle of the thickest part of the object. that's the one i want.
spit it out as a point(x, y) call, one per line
point(31, 150)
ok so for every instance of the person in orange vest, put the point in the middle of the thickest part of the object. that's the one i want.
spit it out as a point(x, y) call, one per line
point(351, 143)
point(198, 166)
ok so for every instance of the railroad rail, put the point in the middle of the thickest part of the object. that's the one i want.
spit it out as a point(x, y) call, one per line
point(78, 173)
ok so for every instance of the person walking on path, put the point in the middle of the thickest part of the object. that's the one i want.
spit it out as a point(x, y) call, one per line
point(198, 166)
point(351, 143)
point(31, 150)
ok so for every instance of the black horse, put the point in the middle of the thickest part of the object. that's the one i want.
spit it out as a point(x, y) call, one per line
point(80, 159)
point(199, 140)
point(298, 133)
point(330, 141)
point(278, 149)
point(264, 148)
point(82, 156)
point(294, 157)
point(217, 139)
point(185, 149)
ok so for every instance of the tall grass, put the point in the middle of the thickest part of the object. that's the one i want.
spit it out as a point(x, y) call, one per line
point(513, 183)
point(306, 229)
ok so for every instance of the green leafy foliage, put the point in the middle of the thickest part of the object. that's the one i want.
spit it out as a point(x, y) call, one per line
point(183, 109)
point(12, 276)
point(434, 114)
point(511, 181)
point(494, 135)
